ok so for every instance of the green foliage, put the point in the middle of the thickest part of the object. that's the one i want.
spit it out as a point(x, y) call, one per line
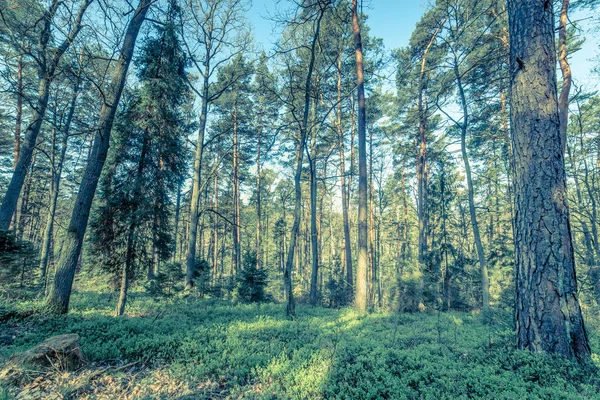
point(252, 281)
point(168, 282)
point(202, 276)
point(18, 261)
point(254, 351)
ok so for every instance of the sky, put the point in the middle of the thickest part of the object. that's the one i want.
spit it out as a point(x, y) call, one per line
point(384, 20)
point(394, 21)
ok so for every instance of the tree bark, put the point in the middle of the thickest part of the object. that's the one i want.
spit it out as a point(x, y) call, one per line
point(422, 157)
point(485, 283)
point(563, 99)
point(314, 231)
point(46, 73)
point(190, 257)
point(301, 145)
point(548, 314)
point(344, 188)
point(55, 189)
point(360, 297)
point(60, 293)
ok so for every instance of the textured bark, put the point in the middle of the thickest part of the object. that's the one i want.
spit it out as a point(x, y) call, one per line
point(563, 99)
point(548, 315)
point(60, 293)
point(46, 73)
point(360, 297)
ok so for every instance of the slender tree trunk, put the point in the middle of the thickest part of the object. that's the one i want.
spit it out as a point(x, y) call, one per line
point(422, 183)
point(19, 111)
point(548, 315)
point(464, 126)
point(563, 99)
point(129, 255)
point(177, 218)
point(46, 72)
point(314, 231)
point(373, 252)
point(216, 228)
point(60, 293)
point(190, 258)
point(347, 256)
point(360, 298)
point(55, 188)
point(287, 274)
point(237, 257)
point(258, 202)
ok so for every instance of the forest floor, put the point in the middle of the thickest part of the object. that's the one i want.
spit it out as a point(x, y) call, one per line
point(206, 349)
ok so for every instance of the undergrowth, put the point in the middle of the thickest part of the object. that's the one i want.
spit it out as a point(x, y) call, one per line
point(212, 349)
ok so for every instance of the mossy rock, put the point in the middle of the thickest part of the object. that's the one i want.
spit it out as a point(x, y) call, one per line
point(58, 352)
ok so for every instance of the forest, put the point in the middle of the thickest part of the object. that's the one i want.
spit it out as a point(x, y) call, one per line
point(190, 212)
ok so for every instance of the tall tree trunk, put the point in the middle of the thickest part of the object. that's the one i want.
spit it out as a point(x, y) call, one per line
point(548, 315)
point(300, 147)
point(190, 257)
point(422, 183)
point(19, 111)
point(360, 297)
point(216, 229)
point(563, 99)
point(46, 73)
point(60, 293)
point(464, 126)
point(373, 252)
point(314, 231)
point(55, 188)
point(258, 201)
point(344, 188)
point(237, 257)
point(129, 254)
point(177, 218)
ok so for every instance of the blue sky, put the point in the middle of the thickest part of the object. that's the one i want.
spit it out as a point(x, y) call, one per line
point(394, 21)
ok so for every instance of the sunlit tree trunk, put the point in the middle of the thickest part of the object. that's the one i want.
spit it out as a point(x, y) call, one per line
point(60, 293)
point(360, 297)
point(548, 315)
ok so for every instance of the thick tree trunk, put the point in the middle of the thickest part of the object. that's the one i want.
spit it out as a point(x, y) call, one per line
point(548, 315)
point(360, 297)
point(60, 293)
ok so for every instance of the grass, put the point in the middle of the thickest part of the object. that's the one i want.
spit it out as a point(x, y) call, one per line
point(196, 348)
